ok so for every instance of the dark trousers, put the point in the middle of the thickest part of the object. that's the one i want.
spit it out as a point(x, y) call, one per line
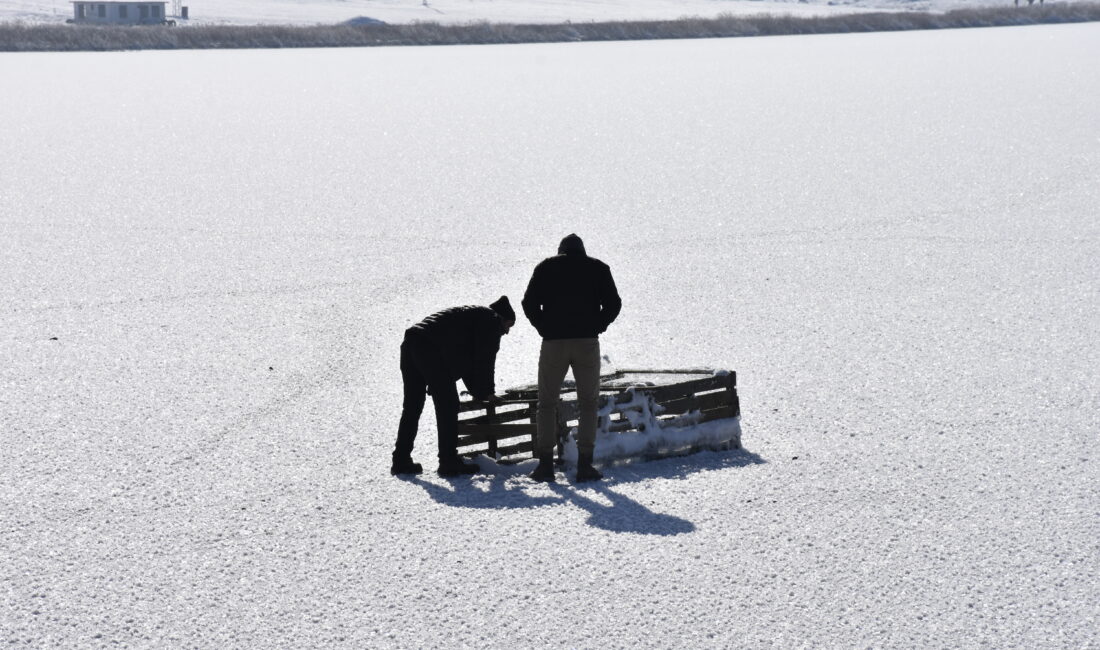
point(422, 370)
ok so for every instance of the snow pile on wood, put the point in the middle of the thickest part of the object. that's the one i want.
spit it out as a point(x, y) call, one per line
point(649, 435)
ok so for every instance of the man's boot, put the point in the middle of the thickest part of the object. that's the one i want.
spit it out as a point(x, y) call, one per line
point(544, 473)
point(455, 466)
point(405, 465)
point(585, 471)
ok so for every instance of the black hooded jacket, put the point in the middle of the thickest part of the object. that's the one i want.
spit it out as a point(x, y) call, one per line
point(468, 339)
point(571, 295)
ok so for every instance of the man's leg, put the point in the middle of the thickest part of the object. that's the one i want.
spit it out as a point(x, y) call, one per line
point(445, 398)
point(412, 405)
point(553, 364)
point(426, 357)
point(585, 360)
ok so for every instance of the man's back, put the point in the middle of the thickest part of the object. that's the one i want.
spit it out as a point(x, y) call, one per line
point(571, 296)
point(468, 339)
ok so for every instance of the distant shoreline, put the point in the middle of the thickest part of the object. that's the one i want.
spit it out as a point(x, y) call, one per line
point(24, 37)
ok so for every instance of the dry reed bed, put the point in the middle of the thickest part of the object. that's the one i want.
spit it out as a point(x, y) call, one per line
point(54, 37)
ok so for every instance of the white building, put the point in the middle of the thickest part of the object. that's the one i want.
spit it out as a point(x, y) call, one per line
point(120, 13)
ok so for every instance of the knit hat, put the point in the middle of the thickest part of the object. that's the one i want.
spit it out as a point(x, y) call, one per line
point(504, 308)
point(571, 244)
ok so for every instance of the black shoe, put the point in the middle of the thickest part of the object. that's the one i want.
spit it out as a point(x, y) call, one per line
point(544, 473)
point(405, 466)
point(585, 471)
point(456, 467)
point(588, 473)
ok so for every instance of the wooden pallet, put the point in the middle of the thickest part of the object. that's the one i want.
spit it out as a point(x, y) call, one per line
point(507, 432)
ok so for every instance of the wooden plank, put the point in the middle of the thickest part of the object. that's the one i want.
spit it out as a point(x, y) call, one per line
point(508, 450)
point(524, 394)
point(674, 391)
point(464, 407)
point(697, 402)
point(664, 377)
point(620, 426)
point(666, 371)
point(501, 444)
point(518, 448)
point(475, 405)
point(718, 414)
point(617, 381)
point(502, 416)
point(503, 430)
point(486, 432)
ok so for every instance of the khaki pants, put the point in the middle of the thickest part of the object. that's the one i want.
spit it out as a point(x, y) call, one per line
point(555, 358)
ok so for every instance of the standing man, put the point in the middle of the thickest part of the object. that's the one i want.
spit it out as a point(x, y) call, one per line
point(456, 343)
point(570, 300)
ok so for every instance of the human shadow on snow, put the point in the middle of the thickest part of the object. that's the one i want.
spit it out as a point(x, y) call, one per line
point(682, 467)
point(623, 515)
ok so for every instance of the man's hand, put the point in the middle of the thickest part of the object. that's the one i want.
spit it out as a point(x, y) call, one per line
point(493, 400)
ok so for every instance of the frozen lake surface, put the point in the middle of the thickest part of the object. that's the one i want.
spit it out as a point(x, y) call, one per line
point(209, 257)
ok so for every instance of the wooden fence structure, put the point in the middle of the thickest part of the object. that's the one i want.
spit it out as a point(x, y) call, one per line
point(676, 398)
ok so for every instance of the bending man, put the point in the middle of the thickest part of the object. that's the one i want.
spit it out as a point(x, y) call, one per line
point(456, 343)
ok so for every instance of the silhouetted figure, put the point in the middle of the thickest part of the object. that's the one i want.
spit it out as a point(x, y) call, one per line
point(456, 343)
point(571, 299)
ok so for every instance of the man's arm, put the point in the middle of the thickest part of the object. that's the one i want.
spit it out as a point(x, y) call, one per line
point(532, 300)
point(610, 302)
point(481, 381)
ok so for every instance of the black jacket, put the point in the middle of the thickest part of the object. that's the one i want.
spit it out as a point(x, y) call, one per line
point(571, 296)
point(468, 339)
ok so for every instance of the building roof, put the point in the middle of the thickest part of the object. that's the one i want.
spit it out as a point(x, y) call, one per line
point(118, 2)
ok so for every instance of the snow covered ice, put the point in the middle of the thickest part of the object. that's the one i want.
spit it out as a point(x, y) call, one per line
point(209, 257)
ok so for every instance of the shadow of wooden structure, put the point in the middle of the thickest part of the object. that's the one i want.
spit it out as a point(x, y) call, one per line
point(632, 403)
